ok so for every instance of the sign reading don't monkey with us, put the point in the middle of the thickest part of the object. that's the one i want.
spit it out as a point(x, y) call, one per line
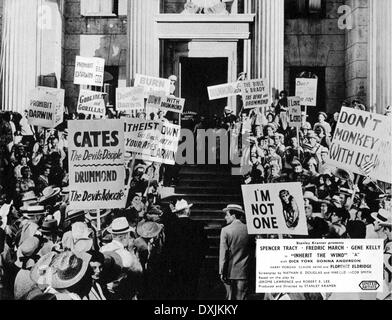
point(276, 208)
point(96, 164)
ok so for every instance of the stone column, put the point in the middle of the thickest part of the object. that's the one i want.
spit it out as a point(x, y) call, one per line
point(268, 41)
point(380, 54)
point(143, 50)
point(30, 50)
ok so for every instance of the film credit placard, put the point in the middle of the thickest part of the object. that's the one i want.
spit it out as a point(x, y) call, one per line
point(89, 71)
point(255, 93)
point(306, 90)
point(362, 137)
point(96, 164)
point(46, 107)
point(327, 265)
point(130, 100)
point(154, 141)
point(276, 208)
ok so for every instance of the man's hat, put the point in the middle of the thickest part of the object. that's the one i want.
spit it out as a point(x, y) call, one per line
point(73, 214)
point(182, 205)
point(148, 230)
point(311, 134)
point(383, 216)
point(25, 253)
point(119, 226)
point(310, 195)
point(49, 226)
point(29, 197)
point(68, 268)
point(306, 126)
point(228, 109)
point(234, 207)
point(49, 193)
point(32, 211)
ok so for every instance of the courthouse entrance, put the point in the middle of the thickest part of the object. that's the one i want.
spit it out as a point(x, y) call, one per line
point(196, 74)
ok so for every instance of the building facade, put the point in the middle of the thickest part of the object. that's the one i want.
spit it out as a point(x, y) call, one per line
point(345, 43)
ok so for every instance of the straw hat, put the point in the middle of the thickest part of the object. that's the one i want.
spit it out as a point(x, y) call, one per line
point(48, 193)
point(383, 216)
point(181, 205)
point(119, 226)
point(148, 230)
point(234, 207)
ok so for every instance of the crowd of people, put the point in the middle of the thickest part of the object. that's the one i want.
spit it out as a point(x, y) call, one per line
point(152, 249)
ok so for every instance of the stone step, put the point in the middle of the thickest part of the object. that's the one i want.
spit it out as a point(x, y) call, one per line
point(221, 189)
point(197, 182)
point(204, 176)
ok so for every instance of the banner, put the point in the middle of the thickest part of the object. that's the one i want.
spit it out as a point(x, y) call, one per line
point(362, 138)
point(96, 164)
point(89, 71)
point(224, 90)
point(255, 93)
point(46, 107)
point(306, 90)
point(276, 208)
point(295, 116)
point(156, 102)
point(154, 141)
point(172, 104)
point(91, 103)
point(153, 84)
point(130, 101)
point(325, 265)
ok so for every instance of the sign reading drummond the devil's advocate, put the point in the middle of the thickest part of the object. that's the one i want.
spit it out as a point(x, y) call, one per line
point(96, 164)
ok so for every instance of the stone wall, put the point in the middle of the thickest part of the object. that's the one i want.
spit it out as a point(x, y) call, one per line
point(97, 36)
point(357, 51)
point(318, 43)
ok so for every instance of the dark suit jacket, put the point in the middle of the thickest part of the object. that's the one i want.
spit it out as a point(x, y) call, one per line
point(186, 245)
point(235, 251)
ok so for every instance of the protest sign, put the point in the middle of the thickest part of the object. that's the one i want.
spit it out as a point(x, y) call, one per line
point(224, 90)
point(172, 104)
point(46, 107)
point(154, 101)
point(276, 208)
point(89, 71)
point(154, 141)
point(306, 90)
point(319, 265)
point(152, 84)
point(295, 116)
point(96, 164)
point(255, 93)
point(130, 100)
point(91, 103)
point(362, 137)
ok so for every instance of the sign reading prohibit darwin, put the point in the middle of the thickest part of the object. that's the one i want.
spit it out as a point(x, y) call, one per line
point(96, 164)
point(276, 208)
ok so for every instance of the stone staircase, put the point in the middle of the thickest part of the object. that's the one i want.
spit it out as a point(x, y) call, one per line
point(210, 188)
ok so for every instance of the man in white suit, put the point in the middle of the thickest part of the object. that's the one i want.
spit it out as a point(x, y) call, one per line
point(235, 254)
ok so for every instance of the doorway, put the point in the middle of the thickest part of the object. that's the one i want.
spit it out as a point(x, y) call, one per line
point(196, 74)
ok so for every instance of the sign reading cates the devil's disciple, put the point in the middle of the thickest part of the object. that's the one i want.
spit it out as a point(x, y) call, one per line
point(46, 107)
point(96, 164)
point(276, 208)
point(362, 138)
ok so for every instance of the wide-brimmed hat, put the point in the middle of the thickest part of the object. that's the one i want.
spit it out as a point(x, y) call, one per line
point(49, 193)
point(336, 201)
point(26, 252)
point(119, 226)
point(311, 134)
point(383, 216)
point(73, 214)
point(49, 226)
point(306, 126)
point(83, 245)
point(93, 214)
point(68, 268)
point(64, 191)
point(234, 207)
point(310, 195)
point(343, 174)
point(40, 273)
point(181, 205)
point(155, 210)
point(148, 229)
point(32, 211)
